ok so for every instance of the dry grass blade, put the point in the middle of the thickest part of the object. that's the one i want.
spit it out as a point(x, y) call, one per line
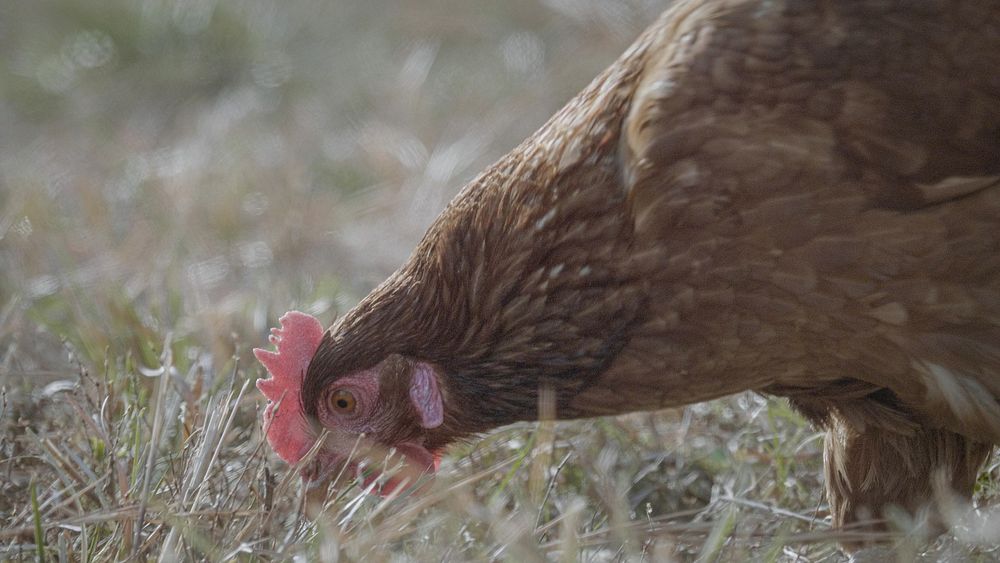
point(166, 365)
point(219, 419)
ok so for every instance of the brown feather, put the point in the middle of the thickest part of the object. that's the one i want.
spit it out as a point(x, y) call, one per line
point(796, 197)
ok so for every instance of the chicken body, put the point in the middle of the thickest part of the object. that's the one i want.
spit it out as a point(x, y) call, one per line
point(795, 197)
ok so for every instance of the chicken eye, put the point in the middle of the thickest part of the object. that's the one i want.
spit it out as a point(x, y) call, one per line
point(343, 402)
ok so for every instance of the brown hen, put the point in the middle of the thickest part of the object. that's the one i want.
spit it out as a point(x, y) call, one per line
point(797, 197)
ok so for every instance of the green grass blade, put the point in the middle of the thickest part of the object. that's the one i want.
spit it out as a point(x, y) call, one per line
point(37, 517)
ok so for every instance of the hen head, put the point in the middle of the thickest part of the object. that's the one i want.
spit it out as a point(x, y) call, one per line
point(368, 414)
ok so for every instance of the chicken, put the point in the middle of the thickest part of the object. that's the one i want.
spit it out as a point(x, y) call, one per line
point(799, 198)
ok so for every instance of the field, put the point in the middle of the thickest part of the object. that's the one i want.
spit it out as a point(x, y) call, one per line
point(175, 174)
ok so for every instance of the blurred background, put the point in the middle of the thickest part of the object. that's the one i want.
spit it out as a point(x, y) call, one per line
point(175, 174)
point(220, 162)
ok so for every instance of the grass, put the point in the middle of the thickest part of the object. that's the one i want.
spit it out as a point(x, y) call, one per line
point(175, 175)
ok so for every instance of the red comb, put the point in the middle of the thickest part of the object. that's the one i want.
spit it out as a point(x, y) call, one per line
point(295, 343)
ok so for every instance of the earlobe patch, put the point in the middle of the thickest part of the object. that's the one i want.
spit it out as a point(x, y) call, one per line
point(426, 396)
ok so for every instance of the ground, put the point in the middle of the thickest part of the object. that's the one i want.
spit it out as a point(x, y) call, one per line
point(174, 175)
